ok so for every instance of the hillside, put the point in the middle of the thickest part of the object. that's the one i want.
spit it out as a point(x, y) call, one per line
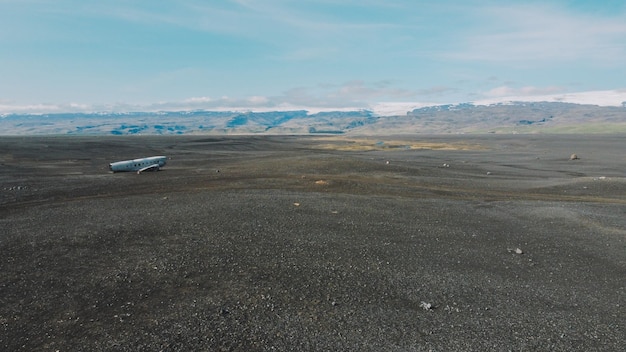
point(515, 117)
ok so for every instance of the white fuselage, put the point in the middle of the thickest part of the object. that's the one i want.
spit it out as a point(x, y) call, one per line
point(142, 164)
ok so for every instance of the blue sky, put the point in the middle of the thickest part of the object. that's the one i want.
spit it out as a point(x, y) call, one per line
point(89, 55)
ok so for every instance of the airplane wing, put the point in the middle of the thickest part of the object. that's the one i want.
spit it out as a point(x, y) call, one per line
point(153, 167)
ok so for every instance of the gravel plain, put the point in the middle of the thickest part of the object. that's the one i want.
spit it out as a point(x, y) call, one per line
point(255, 243)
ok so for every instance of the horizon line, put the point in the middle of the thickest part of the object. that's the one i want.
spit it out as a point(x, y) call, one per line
point(603, 98)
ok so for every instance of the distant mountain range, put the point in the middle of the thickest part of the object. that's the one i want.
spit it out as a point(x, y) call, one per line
point(511, 117)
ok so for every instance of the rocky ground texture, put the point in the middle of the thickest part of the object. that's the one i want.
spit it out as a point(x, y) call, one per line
point(410, 243)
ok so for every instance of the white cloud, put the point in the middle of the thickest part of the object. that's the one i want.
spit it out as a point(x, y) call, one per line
point(198, 100)
point(355, 93)
point(540, 32)
point(259, 100)
point(377, 91)
point(600, 98)
point(305, 99)
point(12, 108)
point(505, 91)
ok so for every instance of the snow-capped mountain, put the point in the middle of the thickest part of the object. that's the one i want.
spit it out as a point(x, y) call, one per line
point(553, 115)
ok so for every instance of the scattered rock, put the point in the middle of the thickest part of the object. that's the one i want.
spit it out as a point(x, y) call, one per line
point(296, 204)
point(573, 157)
point(426, 306)
point(516, 250)
point(321, 182)
point(15, 188)
point(451, 309)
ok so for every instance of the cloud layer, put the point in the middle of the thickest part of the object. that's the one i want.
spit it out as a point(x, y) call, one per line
point(120, 55)
point(260, 104)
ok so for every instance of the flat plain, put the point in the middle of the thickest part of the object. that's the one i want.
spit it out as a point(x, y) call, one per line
point(389, 243)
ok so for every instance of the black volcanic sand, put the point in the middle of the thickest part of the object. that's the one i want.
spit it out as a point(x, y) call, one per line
point(482, 243)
